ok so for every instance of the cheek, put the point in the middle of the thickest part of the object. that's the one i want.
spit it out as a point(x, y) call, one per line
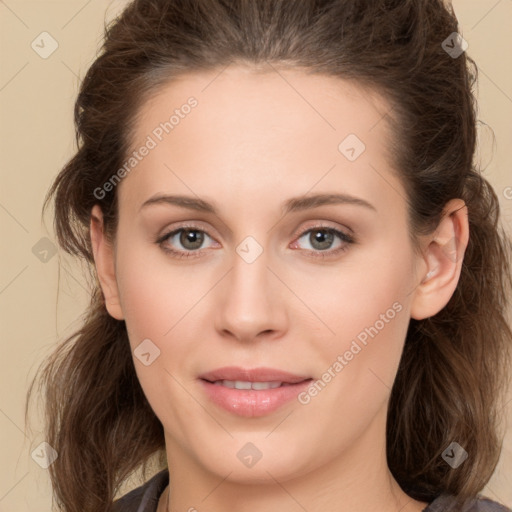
point(154, 294)
point(371, 289)
point(157, 302)
point(365, 310)
point(358, 356)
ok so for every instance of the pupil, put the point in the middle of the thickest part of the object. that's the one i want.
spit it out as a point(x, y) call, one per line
point(322, 238)
point(319, 236)
point(191, 237)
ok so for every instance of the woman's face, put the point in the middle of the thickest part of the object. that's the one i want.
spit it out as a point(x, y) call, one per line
point(268, 278)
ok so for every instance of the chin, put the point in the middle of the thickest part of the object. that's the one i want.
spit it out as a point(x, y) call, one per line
point(252, 459)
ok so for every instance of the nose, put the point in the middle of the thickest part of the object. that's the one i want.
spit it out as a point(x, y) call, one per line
point(251, 300)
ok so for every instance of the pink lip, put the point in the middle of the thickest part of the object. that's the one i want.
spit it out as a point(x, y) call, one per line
point(252, 375)
point(250, 402)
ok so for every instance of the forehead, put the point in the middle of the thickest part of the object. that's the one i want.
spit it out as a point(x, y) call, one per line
point(259, 102)
point(251, 130)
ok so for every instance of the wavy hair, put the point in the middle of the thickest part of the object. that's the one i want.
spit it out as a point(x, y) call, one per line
point(454, 367)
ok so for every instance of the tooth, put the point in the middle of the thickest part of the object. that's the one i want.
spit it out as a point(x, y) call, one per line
point(274, 385)
point(266, 385)
point(246, 385)
point(241, 384)
point(260, 385)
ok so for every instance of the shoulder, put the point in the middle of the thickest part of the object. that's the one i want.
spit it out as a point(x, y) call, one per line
point(144, 498)
point(447, 503)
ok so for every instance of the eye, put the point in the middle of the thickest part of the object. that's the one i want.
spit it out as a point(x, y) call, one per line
point(321, 239)
point(190, 238)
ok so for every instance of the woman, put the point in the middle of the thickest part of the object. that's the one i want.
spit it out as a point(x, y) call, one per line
point(301, 281)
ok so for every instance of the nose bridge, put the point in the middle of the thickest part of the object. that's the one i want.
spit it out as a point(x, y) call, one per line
point(250, 299)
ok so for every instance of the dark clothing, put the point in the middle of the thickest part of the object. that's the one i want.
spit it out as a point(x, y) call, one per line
point(145, 499)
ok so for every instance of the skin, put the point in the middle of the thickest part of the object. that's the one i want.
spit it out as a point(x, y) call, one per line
point(254, 141)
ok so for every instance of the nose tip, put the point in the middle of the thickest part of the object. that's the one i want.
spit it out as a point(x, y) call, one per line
point(249, 302)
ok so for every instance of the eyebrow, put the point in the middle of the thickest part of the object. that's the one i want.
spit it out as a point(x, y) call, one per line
point(294, 204)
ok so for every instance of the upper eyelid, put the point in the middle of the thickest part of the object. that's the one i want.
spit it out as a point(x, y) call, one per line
point(299, 233)
point(323, 225)
point(195, 225)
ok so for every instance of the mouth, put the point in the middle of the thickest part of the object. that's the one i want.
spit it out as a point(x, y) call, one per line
point(252, 375)
point(252, 392)
point(245, 384)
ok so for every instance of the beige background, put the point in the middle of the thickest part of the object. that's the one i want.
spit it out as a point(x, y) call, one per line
point(37, 138)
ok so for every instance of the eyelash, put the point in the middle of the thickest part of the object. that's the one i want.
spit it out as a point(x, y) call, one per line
point(347, 239)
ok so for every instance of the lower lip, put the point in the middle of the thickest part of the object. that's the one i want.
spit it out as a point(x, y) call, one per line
point(252, 403)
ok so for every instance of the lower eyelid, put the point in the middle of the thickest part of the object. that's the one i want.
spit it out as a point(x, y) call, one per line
point(174, 232)
point(344, 237)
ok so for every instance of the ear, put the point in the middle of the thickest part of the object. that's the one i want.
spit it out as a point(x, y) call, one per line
point(104, 260)
point(443, 256)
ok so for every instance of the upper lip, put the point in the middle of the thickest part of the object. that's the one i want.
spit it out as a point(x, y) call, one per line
point(262, 374)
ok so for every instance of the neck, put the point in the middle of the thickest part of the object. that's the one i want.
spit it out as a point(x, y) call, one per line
point(356, 480)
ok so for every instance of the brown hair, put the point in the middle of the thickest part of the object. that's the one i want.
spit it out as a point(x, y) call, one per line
point(454, 365)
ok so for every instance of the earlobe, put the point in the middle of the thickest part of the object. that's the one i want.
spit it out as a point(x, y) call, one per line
point(444, 256)
point(104, 260)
